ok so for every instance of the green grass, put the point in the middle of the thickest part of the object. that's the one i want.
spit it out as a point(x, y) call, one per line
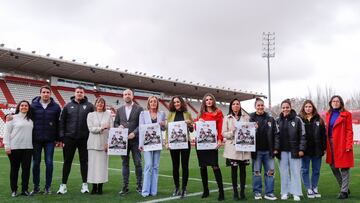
point(327, 186)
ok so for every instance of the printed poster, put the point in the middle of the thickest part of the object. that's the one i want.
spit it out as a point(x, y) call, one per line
point(206, 135)
point(245, 136)
point(118, 141)
point(177, 135)
point(150, 137)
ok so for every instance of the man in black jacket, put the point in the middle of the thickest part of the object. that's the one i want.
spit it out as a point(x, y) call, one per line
point(127, 116)
point(74, 133)
point(45, 115)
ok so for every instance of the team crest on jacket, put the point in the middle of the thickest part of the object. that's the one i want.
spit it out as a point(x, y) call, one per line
point(317, 123)
point(293, 123)
point(84, 107)
point(269, 124)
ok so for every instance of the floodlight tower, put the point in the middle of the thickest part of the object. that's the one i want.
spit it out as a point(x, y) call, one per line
point(268, 51)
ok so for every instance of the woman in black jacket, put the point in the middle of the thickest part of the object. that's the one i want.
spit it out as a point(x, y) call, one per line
point(290, 144)
point(263, 156)
point(315, 147)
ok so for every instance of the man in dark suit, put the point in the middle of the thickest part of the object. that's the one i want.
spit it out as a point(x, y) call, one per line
point(127, 116)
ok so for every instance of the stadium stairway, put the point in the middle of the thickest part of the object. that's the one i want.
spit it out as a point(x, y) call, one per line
point(164, 103)
point(9, 98)
point(58, 96)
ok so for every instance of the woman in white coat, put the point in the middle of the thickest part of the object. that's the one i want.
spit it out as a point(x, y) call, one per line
point(99, 122)
point(235, 159)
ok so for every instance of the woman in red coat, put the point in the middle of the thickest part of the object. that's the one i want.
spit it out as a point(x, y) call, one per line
point(339, 153)
point(209, 112)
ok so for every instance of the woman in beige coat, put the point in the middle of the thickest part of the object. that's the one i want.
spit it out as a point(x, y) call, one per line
point(99, 123)
point(235, 158)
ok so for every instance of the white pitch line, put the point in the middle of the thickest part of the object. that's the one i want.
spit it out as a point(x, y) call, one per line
point(160, 175)
point(178, 197)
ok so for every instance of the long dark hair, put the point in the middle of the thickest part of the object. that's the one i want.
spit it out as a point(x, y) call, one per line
point(302, 113)
point(28, 114)
point(183, 106)
point(342, 104)
point(231, 112)
point(203, 103)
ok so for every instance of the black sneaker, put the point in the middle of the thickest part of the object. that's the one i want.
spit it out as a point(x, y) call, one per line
point(176, 192)
point(124, 191)
point(13, 194)
point(183, 193)
point(139, 189)
point(47, 191)
point(35, 191)
point(25, 193)
point(343, 195)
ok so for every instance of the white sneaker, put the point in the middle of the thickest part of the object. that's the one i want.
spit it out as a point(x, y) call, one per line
point(62, 189)
point(310, 194)
point(316, 193)
point(296, 198)
point(257, 196)
point(84, 188)
point(271, 197)
point(284, 197)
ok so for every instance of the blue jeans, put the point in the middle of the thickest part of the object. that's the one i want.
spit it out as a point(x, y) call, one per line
point(151, 173)
point(305, 168)
point(49, 155)
point(263, 158)
point(290, 174)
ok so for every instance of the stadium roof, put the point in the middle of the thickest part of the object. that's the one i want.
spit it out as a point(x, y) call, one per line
point(17, 61)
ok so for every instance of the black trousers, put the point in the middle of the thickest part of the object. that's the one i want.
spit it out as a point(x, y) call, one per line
point(20, 157)
point(184, 155)
point(70, 146)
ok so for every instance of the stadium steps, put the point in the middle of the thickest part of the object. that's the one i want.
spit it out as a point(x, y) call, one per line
point(192, 108)
point(58, 96)
point(9, 98)
point(164, 103)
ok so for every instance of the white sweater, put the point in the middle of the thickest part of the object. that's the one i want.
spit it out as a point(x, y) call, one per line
point(18, 133)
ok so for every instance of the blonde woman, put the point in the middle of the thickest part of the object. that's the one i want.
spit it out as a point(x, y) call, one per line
point(152, 158)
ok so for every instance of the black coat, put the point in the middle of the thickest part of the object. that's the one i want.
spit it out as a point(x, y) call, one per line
point(46, 121)
point(270, 132)
point(315, 136)
point(295, 132)
point(73, 119)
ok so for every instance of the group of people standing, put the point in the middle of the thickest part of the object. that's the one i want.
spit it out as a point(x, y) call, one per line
point(295, 139)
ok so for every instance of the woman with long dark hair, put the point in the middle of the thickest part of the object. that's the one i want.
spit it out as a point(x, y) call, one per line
point(178, 112)
point(235, 159)
point(315, 147)
point(339, 151)
point(290, 143)
point(18, 146)
point(210, 112)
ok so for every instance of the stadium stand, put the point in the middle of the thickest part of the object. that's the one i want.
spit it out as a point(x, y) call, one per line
point(2, 97)
point(22, 76)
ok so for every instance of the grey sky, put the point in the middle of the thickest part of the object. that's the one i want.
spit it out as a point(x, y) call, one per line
point(207, 41)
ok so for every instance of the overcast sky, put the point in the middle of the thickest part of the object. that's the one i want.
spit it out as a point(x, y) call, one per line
point(217, 42)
